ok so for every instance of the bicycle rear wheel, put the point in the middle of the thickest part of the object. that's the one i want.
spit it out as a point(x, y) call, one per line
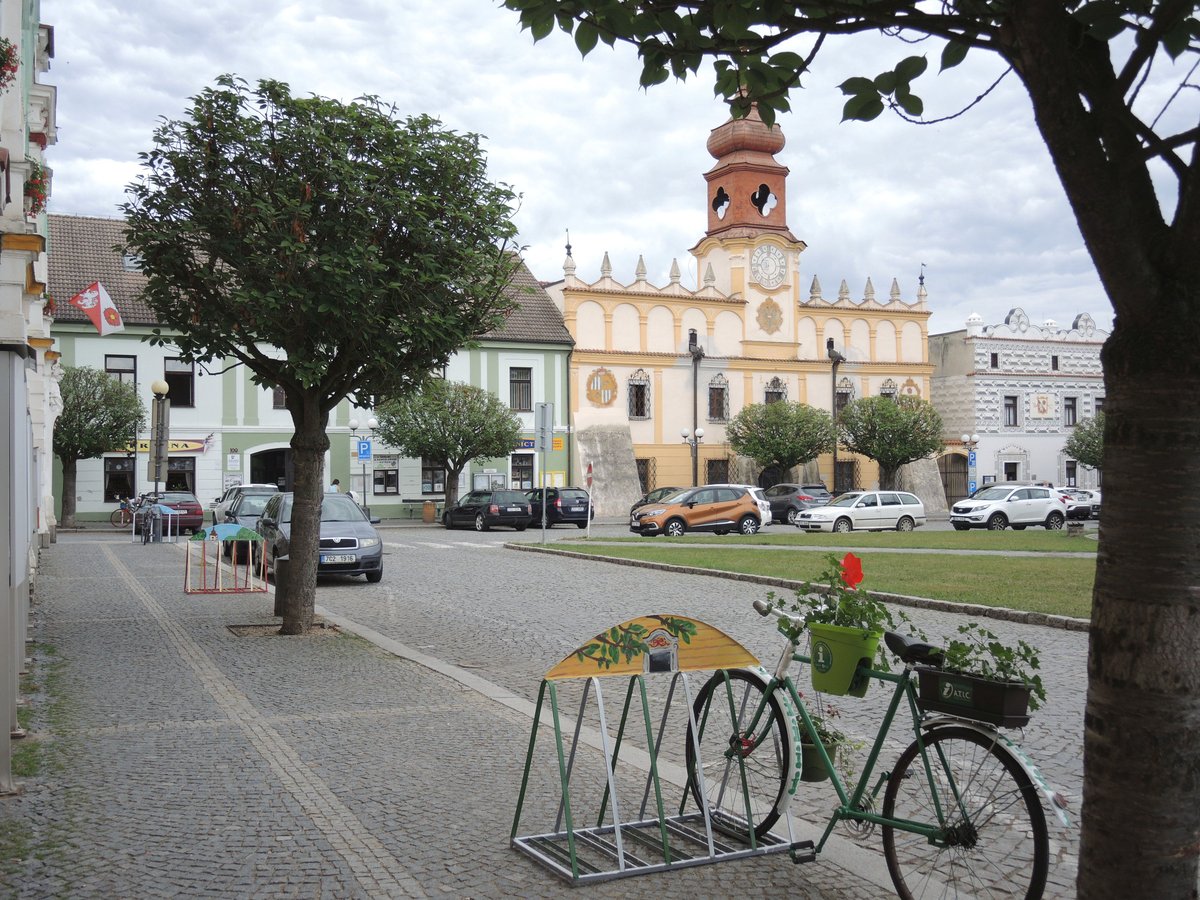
point(120, 518)
point(762, 770)
point(995, 840)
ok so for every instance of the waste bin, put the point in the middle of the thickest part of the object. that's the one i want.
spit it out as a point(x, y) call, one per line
point(430, 512)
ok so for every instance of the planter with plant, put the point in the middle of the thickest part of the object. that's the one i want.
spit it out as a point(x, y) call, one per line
point(845, 623)
point(36, 187)
point(985, 679)
point(10, 63)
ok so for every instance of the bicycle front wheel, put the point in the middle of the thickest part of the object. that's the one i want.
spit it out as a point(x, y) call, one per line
point(120, 518)
point(993, 841)
point(756, 769)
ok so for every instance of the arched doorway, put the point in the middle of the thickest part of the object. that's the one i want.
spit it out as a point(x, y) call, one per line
point(771, 476)
point(272, 467)
point(953, 469)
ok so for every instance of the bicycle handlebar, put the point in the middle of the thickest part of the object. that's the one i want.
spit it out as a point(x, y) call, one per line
point(763, 608)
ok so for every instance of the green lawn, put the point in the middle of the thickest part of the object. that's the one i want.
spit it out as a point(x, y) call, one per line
point(1051, 584)
point(1034, 540)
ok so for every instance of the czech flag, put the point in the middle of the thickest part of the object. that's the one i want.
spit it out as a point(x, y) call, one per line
point(99, 307)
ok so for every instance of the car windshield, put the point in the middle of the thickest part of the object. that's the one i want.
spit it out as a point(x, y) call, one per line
point(780, 490)
point(340, 508)
point(252, 504)
point(993, 493)
point(844, 500)
point(509, 497)
point(676, 497)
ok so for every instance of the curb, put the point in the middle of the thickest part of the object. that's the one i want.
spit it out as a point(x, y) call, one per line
point(1066, 623)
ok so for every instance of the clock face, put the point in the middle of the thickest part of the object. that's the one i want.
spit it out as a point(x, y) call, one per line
point(768, 266)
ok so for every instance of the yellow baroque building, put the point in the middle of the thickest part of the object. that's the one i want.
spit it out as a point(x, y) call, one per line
point(653, 366)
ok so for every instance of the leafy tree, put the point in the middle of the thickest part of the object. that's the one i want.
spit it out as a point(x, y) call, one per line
point(99, 414)
point(781, 434)
point(1125, 150)
point(1086, 442)
point(891, 431)
point(334, 249)
point(450, 423)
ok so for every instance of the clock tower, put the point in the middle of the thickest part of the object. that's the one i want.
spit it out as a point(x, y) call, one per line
point(747, 188)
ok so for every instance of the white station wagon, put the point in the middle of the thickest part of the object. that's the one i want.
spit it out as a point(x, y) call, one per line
point(865, 511)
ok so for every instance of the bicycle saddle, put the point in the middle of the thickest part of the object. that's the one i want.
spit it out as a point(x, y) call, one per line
point(911, 650)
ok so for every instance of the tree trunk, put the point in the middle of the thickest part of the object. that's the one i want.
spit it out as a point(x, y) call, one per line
point(452, 484)
point(68, 492)
point(887, 479)
point(309, 444)
point(1140, 817)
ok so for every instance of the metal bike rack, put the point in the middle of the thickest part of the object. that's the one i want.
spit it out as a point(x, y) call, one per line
point(663, 833)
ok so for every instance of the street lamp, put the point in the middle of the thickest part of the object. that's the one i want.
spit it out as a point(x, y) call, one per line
point(697, 354)
point(693, 438)
point(160, 428)
point(970, 441)
point(372, 424)
point(837, 359)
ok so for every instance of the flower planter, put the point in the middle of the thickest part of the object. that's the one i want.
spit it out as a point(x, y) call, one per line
point(813, 767)
point(836, 654)
point(1002, 703)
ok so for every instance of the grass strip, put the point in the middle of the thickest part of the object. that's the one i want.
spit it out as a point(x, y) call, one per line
point(1052, 585)
point(1032, 541)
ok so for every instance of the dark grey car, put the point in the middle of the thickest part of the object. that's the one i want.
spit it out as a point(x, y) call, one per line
point(789, 500)
point(245, 510)
point(349, 544)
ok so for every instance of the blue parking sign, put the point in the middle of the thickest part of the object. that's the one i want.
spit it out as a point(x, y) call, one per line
point(364, 451)
point(971, 459)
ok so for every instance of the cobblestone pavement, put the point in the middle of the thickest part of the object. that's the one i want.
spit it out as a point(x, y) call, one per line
point(184, 760)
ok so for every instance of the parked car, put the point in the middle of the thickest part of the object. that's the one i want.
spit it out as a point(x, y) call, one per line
point(655, 496)
point(865, 511)
point(349, 543)
point(716, 508)
point(789, 500)
point(486, 509)
point(817, 490)
point(189, 517)
point(1079, 502)
point(1000, 505)
point(1095, 504)
point(221, 505)
point(245, 510)
point(570, 505)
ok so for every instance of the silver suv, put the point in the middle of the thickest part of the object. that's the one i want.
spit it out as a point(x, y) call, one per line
point(1000, 505)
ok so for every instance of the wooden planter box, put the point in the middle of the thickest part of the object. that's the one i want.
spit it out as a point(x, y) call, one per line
point(1002, 703)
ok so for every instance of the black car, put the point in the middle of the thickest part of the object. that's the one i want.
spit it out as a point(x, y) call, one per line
point(349, 543)
point(570, 505)
point(655, 495)
point(789, 500)
point(485, 509)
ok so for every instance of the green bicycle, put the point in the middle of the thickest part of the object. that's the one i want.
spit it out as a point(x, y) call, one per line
point(960, 813)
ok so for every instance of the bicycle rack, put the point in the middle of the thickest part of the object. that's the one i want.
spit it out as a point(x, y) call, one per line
point(206, 571)
point(168, 530)
point(652, 840)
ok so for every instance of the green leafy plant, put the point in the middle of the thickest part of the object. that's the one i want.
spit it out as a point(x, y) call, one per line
point(981, 653)
point(37, 187)
point(836, 600)
point(10, 63)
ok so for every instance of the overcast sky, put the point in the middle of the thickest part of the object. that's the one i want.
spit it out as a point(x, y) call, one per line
point(975, 199)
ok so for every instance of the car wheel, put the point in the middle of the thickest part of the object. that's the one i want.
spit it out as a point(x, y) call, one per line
point(675, 528)
point(843, 526)
point(480, 522)
point(791, 516)
point(1054, 521)
point(958, 527)
point(748, 525)
point(997, 523)
point(520, 527)
point(905, 524)
point(446, 521)
point(581, 524)
point(375, 577)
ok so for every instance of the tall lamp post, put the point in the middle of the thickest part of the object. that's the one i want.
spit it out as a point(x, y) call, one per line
point(372, 424)
point(697, 354)
point(160, 429)
point(971, 441)
point(837, 359)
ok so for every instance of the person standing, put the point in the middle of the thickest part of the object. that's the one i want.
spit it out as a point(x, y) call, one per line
point(334, 487)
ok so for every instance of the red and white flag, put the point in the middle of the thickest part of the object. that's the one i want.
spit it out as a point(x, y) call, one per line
point(99, 307)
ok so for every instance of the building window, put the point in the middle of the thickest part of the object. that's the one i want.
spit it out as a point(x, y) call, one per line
point(776, 391)
point(520, 389)
point(122, 368)
point(522, 471)
point(387, 481)
point(716, 471)
point(1070, 411)
point(278, 398)
point(181, 474)
point(718, 399)
point(1054, 363)
point(1010, 413)
point(1072, 474)
point(647, 470)
point(180, 377)
point(433, 477)
point(889, 389)
point(1098, 403)
point(639, 395)
point(118, 478)
point(995, 360)
point(131, 262)
point(1010, 471)
point(842, 396)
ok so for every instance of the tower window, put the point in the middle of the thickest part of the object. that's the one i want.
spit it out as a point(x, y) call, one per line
point(764, 201)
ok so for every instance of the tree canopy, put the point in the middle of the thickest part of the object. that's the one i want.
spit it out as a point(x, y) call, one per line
point(1086, 443)
point(335, 249)
point(99, 414)
point(780, 434)
point(891, 431)
point(450, 423)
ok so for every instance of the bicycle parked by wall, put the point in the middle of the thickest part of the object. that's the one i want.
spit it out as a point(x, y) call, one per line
point(960, 810)
point(127, 510)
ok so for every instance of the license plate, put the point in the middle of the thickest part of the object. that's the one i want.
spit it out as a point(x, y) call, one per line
point(515, 509)
point(337, 558)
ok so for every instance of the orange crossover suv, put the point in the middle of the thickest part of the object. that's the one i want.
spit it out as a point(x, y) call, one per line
point(719, 509)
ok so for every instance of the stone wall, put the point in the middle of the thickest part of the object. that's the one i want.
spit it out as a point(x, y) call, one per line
point(615, 486)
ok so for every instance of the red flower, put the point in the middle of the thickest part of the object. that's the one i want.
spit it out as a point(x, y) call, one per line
point(852, 573)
